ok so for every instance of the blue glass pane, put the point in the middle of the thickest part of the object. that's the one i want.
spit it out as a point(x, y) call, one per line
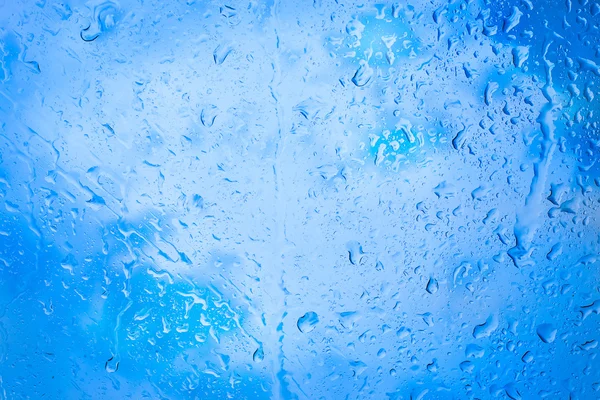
point(299, 199)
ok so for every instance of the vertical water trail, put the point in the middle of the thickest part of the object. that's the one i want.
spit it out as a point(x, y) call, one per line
point(528, 217)
point(275, 344)
point(112, 364)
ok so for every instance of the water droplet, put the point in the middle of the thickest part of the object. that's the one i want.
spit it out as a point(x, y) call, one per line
point(259, 355)
point(111, 365)
point(520, 55)
point(355, 252)
point(490, 89)
point(105, 17)
point(355, 28)
point(546, 332)
point(310, 108)
point(554, 252)
point(527, 358)
point(433, 366)
point(221, 52)
point(487, 328)
point(308, 322)
point(228, 11)
point(444, 190)
point(467, 366)
point(512, 392)
point(432, 286)
point(348, 319)
point(474, 351)
point(461, 138)
point(208, 115)
point(513, 20)
point(363, 74)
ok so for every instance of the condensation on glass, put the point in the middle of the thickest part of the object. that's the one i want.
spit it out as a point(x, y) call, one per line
point(299, 199)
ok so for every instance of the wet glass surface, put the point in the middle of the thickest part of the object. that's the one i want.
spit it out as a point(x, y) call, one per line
point(299, 199)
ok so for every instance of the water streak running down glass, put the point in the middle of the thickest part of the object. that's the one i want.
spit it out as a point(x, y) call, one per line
point(299, 199)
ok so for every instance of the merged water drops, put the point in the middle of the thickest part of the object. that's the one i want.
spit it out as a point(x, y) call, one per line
point(105, 16)
point(487, 328)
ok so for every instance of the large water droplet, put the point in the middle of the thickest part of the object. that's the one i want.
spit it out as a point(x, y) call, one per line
point(105, 17)
point(527, 357)
point(355, 252)
point(308, 322)
point(487, 328)
point(221, 52)
point(259, 355)
point(363, 74)
point(432, 286)
point(208, 115)
point(546, 332)
point(111, 365)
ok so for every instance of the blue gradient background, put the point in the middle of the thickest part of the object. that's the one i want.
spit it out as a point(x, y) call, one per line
point(299, 199)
